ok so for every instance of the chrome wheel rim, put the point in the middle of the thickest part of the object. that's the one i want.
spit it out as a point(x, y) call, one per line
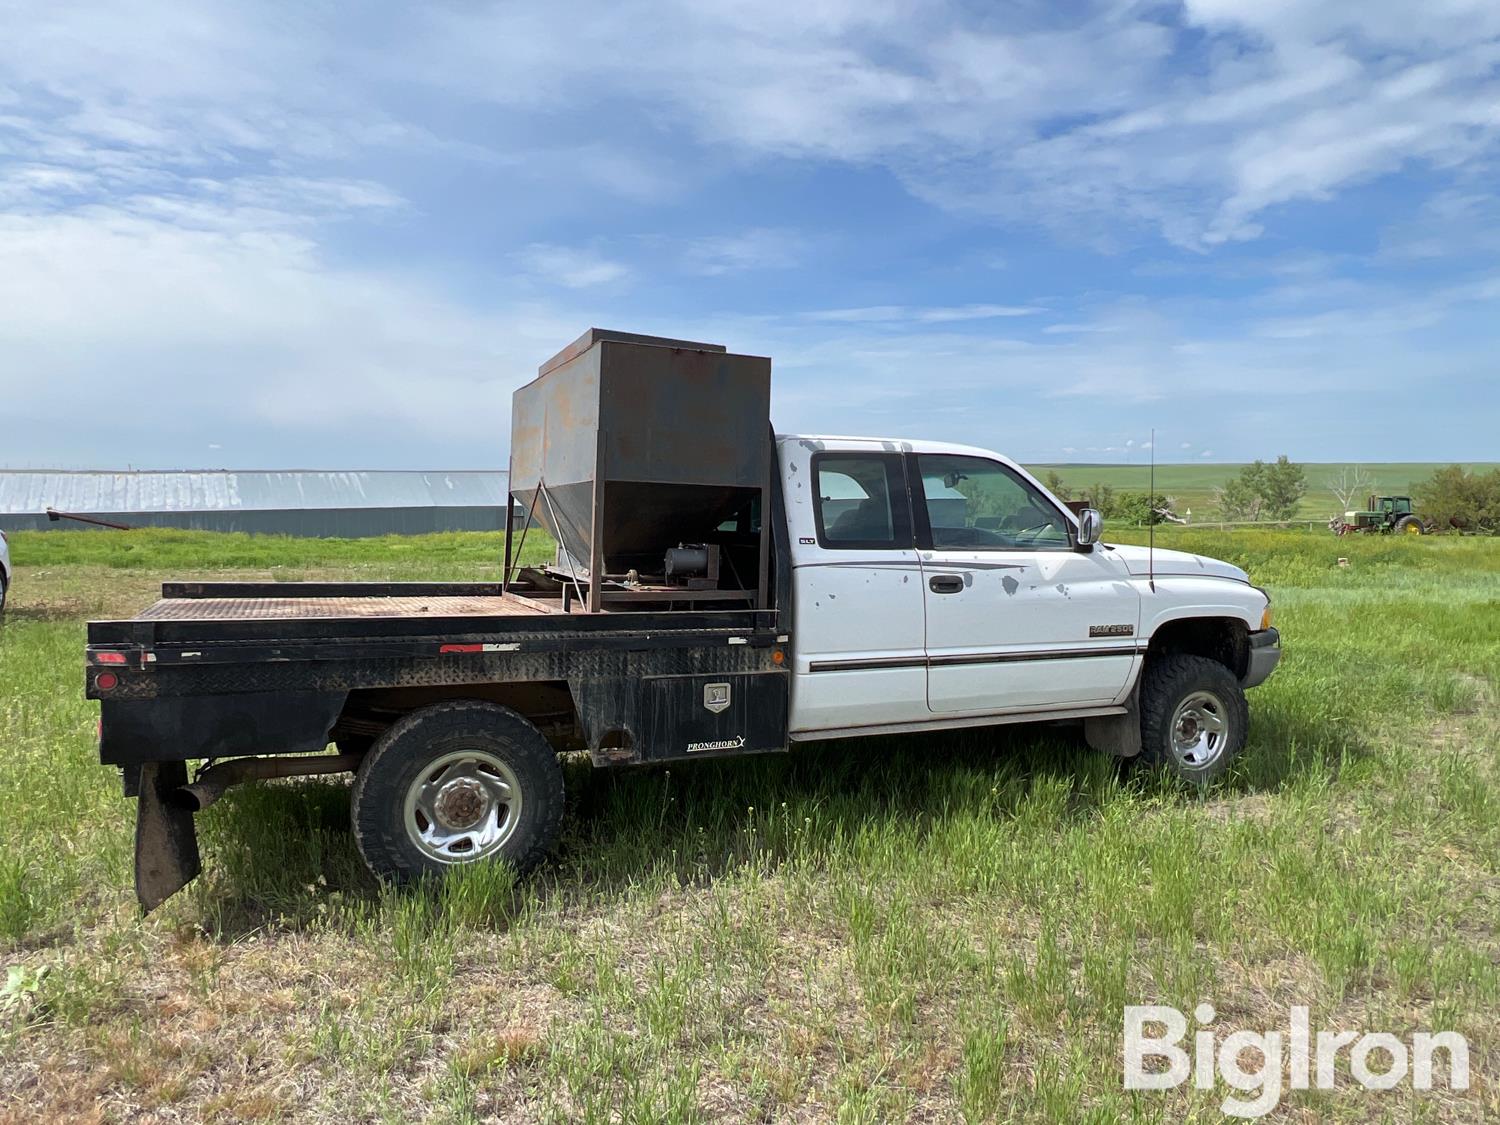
point(463, 806)
point(1200, 730)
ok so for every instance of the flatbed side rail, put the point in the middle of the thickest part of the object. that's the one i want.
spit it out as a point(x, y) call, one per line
point(153, 632)
point(177, 590)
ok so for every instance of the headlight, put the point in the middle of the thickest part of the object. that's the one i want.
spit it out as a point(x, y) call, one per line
point(1265, 617)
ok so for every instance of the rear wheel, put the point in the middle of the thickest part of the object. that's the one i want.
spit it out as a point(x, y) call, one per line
point(1410, 525)
point(457, 783)
point(1194, 717)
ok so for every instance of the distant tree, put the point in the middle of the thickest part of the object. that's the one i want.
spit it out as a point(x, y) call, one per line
point(1282, 487)
point(1350, 485)
point(1055, 485)
point(1138, 508)
point(1166, 511)
point(1454, 497)
point(1240, 497)
point(1262, 491)
point(1129, 507)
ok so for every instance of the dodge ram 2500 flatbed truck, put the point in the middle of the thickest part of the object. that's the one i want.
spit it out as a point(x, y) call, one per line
point(718, 590)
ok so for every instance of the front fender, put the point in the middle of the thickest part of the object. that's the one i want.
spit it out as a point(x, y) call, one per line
point(1178, 599)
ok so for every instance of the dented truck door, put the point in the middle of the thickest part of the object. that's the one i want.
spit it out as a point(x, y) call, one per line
point(1017, 618)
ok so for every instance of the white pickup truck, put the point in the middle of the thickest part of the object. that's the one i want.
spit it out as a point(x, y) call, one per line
point(717, 590)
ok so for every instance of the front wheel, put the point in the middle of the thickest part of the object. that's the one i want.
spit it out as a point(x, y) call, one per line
point(457, 783)
point(1410, 525)
point(1194, 717)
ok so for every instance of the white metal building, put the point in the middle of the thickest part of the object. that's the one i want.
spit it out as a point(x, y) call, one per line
point(293, 502)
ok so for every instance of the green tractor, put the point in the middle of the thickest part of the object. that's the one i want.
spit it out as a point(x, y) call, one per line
point(1382, 514)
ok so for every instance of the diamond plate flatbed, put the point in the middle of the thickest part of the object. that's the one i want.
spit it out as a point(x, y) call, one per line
point(303, 608)
point(269, 619)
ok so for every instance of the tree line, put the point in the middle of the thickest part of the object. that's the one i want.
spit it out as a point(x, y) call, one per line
point(1453, 497)
point(1259, 491)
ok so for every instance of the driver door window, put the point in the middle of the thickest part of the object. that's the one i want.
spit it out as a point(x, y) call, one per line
point(974, 504)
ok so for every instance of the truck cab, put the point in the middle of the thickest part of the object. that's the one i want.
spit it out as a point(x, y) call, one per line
point(939, 585)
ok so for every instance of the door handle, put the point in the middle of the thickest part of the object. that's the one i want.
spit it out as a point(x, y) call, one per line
point(945, 583)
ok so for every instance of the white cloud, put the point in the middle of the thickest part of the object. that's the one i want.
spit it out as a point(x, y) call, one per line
point(571, 267)
point(1454, 223)
point(1095, 120)
point(895, 314)
point(179, 188)
point(975, 312)
point(762, 248)
point(1074, 329)
point(145, 328)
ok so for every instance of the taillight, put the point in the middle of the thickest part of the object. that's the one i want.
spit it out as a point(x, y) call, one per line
point(106, 681)
point(109, 658)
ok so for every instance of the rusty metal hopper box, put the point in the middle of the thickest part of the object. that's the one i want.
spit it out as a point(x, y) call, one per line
point(626, 446)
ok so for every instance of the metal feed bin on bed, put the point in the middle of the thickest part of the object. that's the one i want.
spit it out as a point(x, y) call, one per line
point(625, 447)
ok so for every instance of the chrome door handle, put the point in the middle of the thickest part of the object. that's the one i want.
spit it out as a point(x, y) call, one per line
point(945, 583)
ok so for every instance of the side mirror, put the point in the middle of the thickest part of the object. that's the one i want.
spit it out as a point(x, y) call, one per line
point(1090, 525)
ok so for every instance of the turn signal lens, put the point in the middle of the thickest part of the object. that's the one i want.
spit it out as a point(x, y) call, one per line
point(1265, 618)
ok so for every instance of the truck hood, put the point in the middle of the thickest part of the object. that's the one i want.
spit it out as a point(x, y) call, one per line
point(1175, 562)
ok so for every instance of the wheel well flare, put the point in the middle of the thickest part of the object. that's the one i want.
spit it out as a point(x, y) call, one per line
point(1224, 639)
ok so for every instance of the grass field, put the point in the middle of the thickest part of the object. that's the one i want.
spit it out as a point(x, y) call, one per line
point(936, 928)
point(1192, 486)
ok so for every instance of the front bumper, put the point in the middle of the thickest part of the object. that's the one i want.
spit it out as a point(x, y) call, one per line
point(1265, 651)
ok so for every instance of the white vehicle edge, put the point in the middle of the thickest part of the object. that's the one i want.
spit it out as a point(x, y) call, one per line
point(4, 570)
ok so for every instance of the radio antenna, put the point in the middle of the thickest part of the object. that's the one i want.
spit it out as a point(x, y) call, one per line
point(1151, 519)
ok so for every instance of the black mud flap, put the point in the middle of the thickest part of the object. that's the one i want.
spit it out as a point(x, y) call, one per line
point(166, 841)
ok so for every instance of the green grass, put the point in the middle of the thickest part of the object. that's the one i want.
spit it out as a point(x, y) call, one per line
point(1192, 486)
point(944, 928)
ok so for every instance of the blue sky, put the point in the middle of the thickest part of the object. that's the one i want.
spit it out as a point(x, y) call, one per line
point(259, 235)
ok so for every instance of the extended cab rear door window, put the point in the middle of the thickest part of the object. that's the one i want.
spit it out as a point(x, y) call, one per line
point(975, 504)
point(862, 501)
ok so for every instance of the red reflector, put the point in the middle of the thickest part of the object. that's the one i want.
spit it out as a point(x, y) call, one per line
point(461, 648)
point(106, 681)
point(109, 658)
